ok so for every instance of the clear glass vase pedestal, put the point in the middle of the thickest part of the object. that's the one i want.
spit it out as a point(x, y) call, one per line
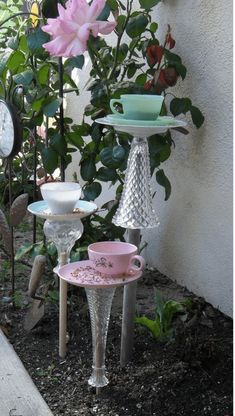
point(100, 291)
point(99, 302)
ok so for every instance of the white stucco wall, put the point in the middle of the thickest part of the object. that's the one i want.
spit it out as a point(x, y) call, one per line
point(193, 243)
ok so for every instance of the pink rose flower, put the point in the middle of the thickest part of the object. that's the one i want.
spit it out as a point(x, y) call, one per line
point(70, 31)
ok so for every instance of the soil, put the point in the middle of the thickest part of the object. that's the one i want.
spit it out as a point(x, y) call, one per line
point(189, 374)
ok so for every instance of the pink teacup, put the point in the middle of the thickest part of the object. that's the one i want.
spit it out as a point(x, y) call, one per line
point(115, 257)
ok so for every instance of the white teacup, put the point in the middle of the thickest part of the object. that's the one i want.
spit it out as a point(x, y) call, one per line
point(61, 196)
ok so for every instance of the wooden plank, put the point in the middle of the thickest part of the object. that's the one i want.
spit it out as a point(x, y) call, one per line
point(18, 394)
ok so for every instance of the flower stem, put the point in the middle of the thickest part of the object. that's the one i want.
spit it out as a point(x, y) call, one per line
point(18, 14)
point(129, 8)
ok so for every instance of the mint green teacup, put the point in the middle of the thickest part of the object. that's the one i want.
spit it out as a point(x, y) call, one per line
point(138, 107)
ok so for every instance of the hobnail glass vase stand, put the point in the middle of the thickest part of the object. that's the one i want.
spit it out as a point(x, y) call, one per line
point(135, 211)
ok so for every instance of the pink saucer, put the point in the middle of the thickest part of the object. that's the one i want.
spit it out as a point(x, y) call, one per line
point(81, 273)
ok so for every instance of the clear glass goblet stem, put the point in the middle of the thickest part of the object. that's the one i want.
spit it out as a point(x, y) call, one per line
point(100, 302)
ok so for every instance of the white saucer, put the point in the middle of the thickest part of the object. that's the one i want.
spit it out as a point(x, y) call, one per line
point(82, 273)
point(160, 121)
point(82, 210)
point(140, 130)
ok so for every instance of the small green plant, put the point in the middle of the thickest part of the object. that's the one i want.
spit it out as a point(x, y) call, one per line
point(161, 327)
point(17, 299)
point(5, 271)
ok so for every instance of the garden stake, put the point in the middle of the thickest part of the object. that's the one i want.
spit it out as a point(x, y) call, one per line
point(35, 185)
point(63, 310)
point(12, 232)
point(129, 309)
point(61, 94)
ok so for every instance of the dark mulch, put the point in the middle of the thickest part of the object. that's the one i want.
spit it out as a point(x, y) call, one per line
point(189, 375)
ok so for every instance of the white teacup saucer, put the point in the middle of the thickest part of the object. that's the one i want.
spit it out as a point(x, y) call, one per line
point(82, 209)
point(160, 121)
point(82, 273)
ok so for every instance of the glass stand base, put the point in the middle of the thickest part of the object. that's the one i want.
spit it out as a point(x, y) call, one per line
point(100, 302)
point(135, 209)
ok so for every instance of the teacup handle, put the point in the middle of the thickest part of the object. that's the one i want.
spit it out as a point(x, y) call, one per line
point(112, 105)
point(132, 266)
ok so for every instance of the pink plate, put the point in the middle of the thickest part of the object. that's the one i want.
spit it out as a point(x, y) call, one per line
point(81, 273)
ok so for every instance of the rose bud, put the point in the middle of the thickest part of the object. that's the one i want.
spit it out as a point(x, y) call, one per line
point(148, 85)
point(161, 84)
point(154, 54)
point(170, 41)
point(170, 76)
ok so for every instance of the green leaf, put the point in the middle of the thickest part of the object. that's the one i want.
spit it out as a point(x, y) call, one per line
point(171, 308)
point(136, 25)
point(37, 104)
point(23, 46)
point(164, 181)
point(75, 62)
point(24, 78)
point(54, 297)
point(180, 106)
point(104, 15)
point(141, 79)
point(119, 153)
point(148, 4)
point(50, 109)
point(88, 169)
point(92, 191)
point(106, 174)
point(36, 39)
point(51, 248)
point(175, 61)
point(159, 305)
point(23, 250)
point(106, 157)
point(197, 116)
point(75, 140)
point(13, 43)
point(122, 52)
point(151, 325)
point(58, 143)
point(131, 70)
point(113, 4)
point(153, 27)
point(3, 61)
point(96, 132)
point(16, 59)
point(159, 150)
point(120, 23)
point(49, 160)
point(82, 129)
point(113, 157)
point(68, 80)
point(180, 69)
point(43, 74)
point(172, 57)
